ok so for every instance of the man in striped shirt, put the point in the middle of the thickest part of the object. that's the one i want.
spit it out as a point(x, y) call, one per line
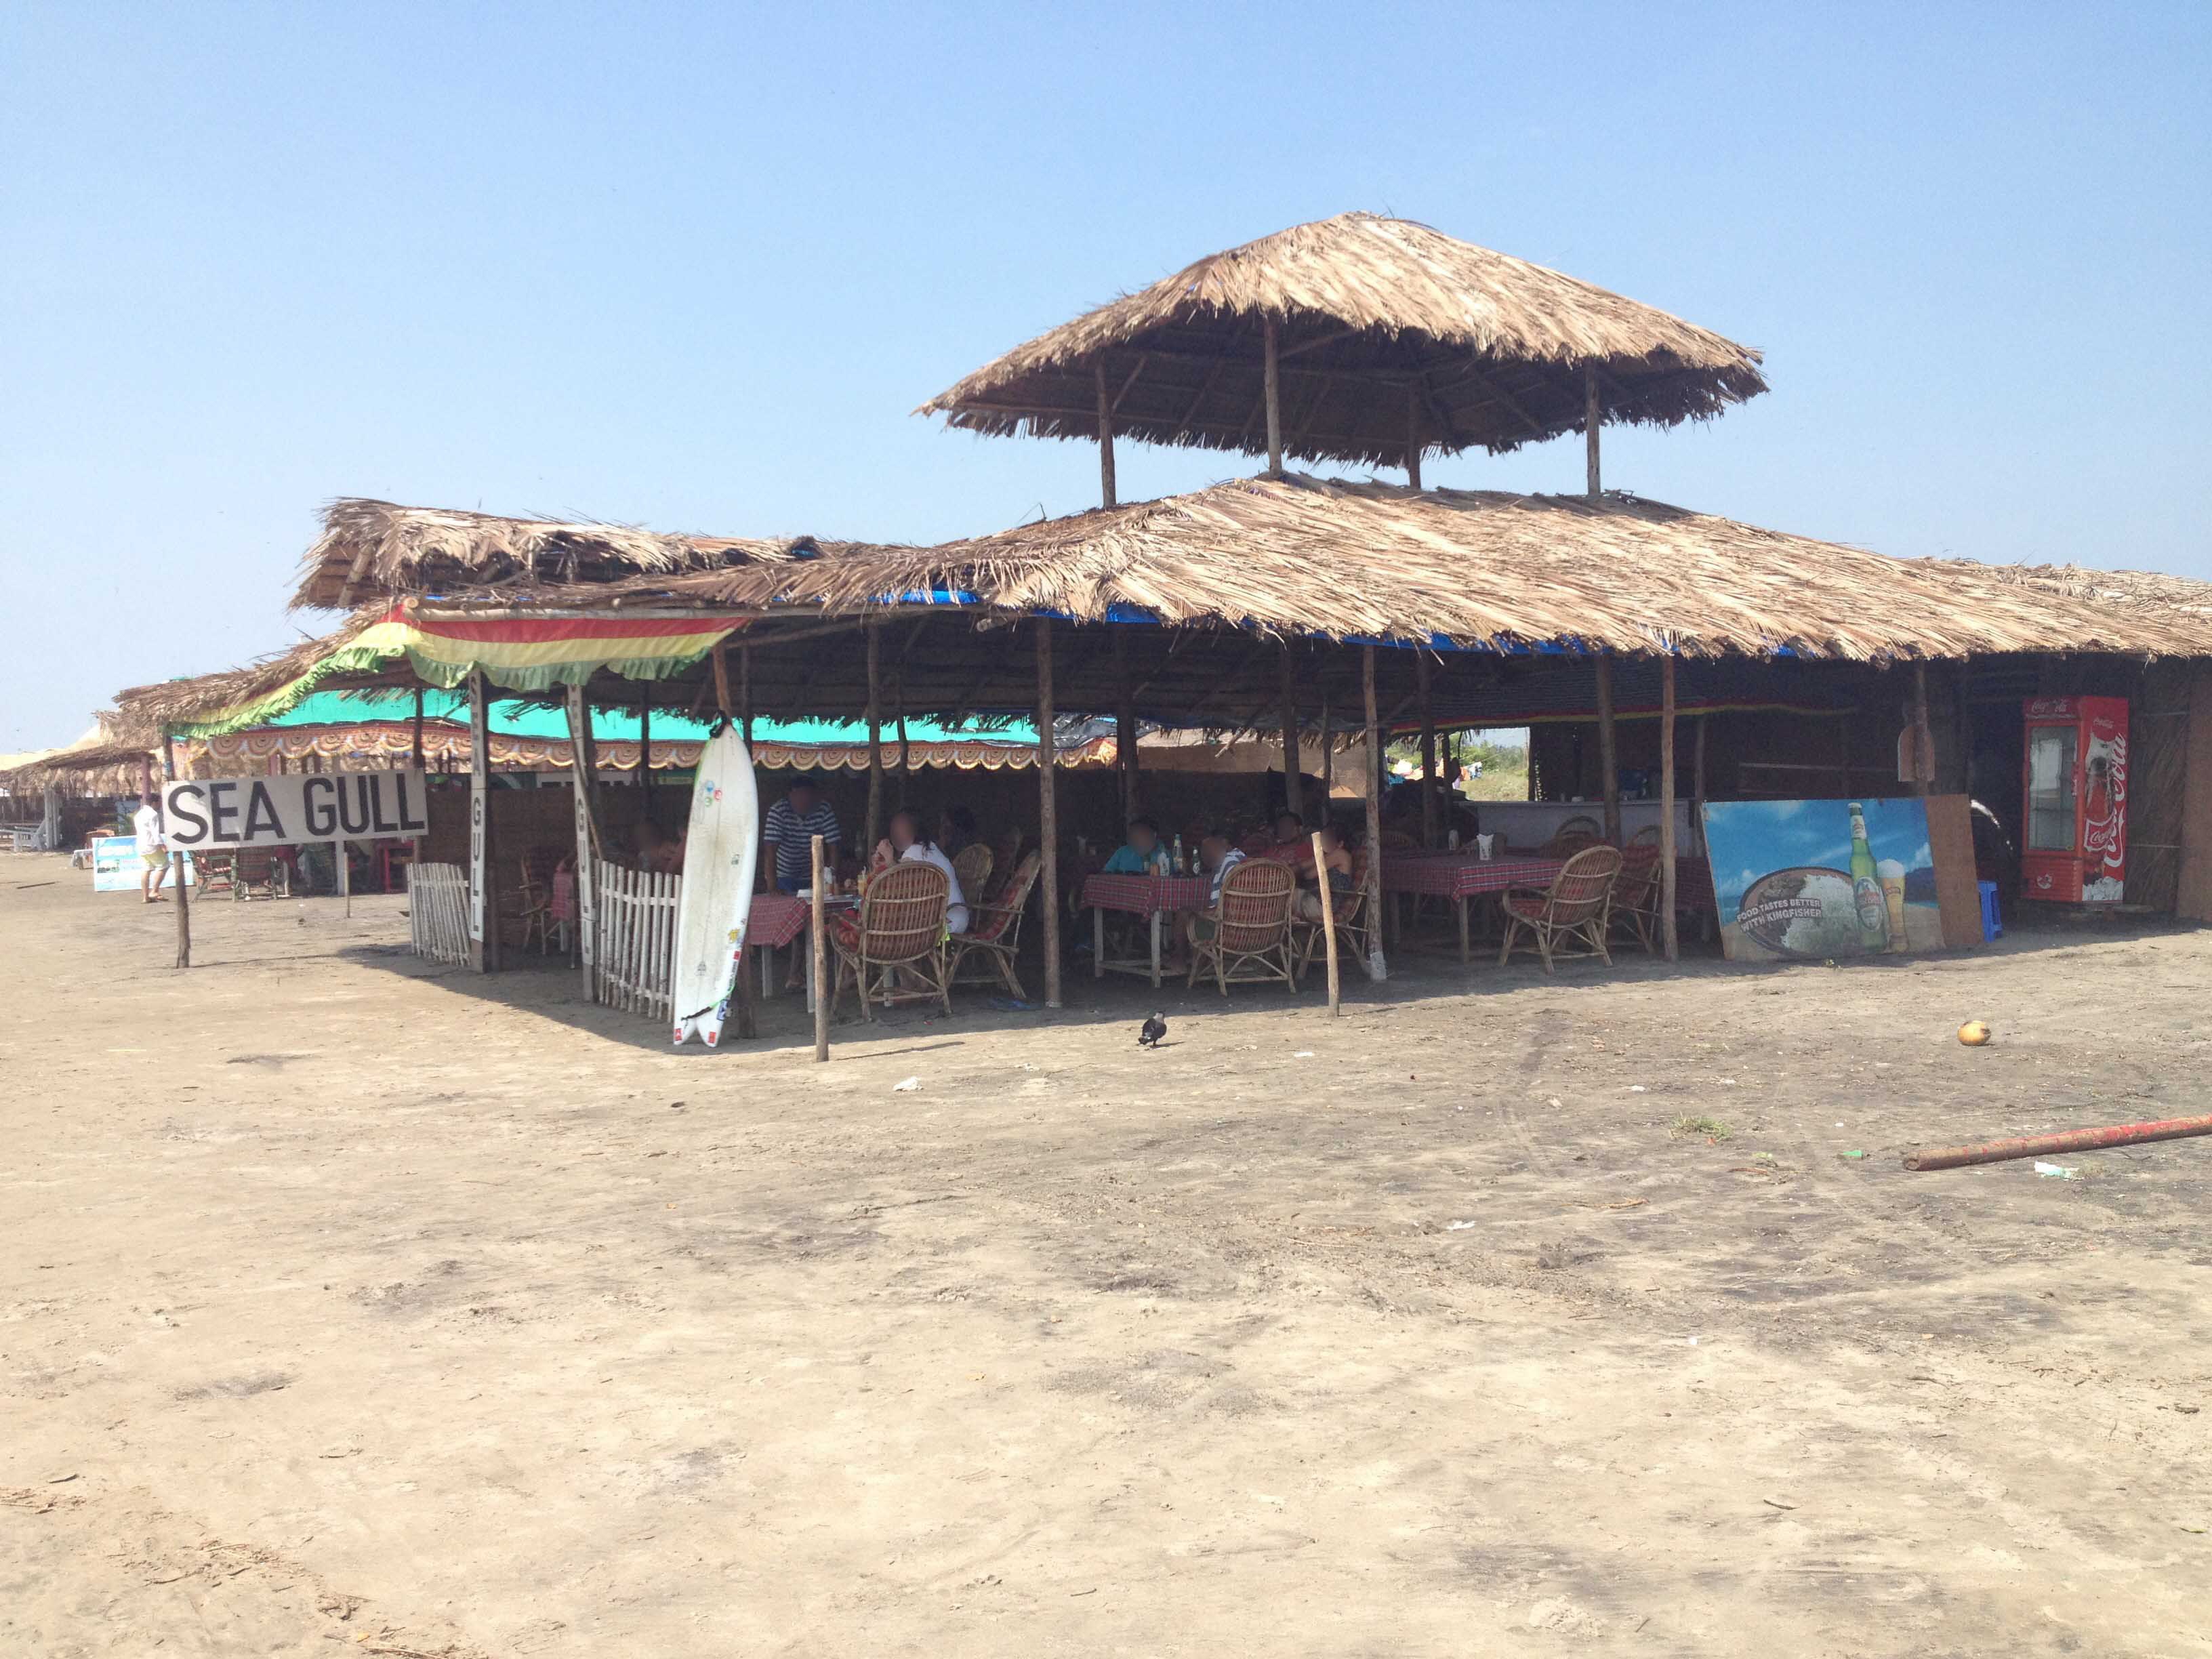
point(792, 824)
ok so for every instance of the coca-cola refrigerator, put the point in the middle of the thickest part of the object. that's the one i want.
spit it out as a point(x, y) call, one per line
point(2076, 844)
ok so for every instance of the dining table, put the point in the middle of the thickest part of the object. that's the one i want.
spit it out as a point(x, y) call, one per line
point(1462, 876)
point(1150, 897)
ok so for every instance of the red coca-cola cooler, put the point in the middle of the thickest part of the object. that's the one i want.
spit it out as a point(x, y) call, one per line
point(2076, 845)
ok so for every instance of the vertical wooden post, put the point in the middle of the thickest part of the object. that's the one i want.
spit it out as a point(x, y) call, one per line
point(906, 754)
point(583, 775)
point(345, 871)
point(1125, 726)
point(418, 729)
point(874, 822)
point(1328, 761)
point(1668, 929)
point(645, 747)
point(1274, 399)
point(1293, 770)
point(1105, 440)
point(1329, 920)
point(484, 903)
point(819, 944)
point(1047, 814)
point(745, 697)
point(1591, 421)
point(1413, 435)
point(1924, 737)
point(177, 873)
point(1377, 968)
point(1429, 836)
point(1607, 760)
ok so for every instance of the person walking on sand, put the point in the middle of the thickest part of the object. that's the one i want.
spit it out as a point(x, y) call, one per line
point(153, 849)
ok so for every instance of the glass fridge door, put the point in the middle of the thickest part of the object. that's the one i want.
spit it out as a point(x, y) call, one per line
point(2051, 788)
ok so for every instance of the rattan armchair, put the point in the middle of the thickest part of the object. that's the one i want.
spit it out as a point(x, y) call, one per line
point(900, 931)
point(1251, 936)
point(1570, 913)
point(1351, 922)
point(972, 870)
point(995, 933)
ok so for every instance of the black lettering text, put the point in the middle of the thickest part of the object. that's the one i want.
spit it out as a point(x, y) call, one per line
point(261, 815)
point(224, 811)
point(315, 807)
point(187, 826)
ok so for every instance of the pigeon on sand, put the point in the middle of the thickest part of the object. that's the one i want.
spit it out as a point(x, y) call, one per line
point(1152, 1031)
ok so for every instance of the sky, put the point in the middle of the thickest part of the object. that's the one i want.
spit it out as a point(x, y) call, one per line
point(692, 266)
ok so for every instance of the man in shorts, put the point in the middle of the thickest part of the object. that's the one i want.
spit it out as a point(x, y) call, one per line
point(153, 849)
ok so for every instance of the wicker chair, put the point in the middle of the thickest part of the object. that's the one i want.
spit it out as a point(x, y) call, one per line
point(1571, 910)
point(534, 896)
point(1572, 838)
point(1252, 929)
point(900, 927)
point(972, 870)
point(257, 873)
point(1312, 936)
point(993, 937)
point(1636, 895)
point(213, 874)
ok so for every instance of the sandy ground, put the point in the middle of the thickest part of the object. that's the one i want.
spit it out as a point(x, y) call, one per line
point(348, 1305)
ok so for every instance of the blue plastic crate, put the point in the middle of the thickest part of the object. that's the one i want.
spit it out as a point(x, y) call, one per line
point(1993, 923)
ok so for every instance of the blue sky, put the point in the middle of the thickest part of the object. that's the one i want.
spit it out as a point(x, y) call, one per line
point(691, 266)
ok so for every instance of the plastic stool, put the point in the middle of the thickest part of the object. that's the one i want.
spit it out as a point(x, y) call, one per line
point(1993, 923)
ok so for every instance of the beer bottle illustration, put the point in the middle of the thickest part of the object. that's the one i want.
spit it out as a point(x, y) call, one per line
point(1866, 888)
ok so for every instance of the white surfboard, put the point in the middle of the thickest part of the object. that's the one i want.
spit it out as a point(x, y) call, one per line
point(719, 858)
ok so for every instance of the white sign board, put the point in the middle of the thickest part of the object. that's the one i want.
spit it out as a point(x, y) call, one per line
point(201, 814)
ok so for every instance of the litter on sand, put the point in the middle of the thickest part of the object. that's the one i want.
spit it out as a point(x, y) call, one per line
point(1459, 1226)
point(906, 1085)
point(2057, 1172)
point(1303, 1054)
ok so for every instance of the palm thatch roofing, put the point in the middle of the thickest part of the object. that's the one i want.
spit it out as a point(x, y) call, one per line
point(1386, 329)
point(368, 547)
point(1499, 585)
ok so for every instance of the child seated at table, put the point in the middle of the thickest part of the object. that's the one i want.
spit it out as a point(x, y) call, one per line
point(1141, 854)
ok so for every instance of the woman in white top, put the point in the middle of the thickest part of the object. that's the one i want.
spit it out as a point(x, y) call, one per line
point(906, 841)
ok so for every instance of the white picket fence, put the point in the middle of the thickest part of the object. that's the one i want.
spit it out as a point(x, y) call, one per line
point(438, 911)
point(634, 955)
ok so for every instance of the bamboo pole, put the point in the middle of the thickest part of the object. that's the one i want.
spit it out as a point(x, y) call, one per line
point(1328, 761)
point(1591, 421)
point(1413, 435)
point(1047, 814)
point(645, 747)
point(483, 899)
point(874, 821)
point(1125, 726)
point(1105, 440)
point(583, 775)
point(1329, 920)
point(1293, 778)
point(1377, 968)
point(1924, 737)
point(744, 696)
point(1607, 761)
point(178, 875)
point(819, 944)
point(1274, 398)
point(722, 678)
point(1669, 930)
point(1428, 750)
point(1698, 789)
point(418, 729)
point(2069, 1140)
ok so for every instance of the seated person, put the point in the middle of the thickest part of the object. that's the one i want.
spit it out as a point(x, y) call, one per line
point(656, 852)
point(1293, 842)
point(1141, 854)
point(1337, 857)
point(956, 830)
point(906, 844)
point(1215, 859)
point(792, 824)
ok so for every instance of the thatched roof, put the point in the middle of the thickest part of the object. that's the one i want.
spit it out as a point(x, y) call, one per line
point(1379, 319)
point(168, 703)
point(370, 547)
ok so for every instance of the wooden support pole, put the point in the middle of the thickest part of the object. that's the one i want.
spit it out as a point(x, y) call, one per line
point(1125, 727)
point(1106, 496)
point(1607, 760)
point(906, 754)
point(721, 660)
point(1669, 931)
point(873, 824)
point(418, 729)
point(1591, 421)
point(583, 778)
point(746, 697)
point(1274, 398)
point(1328, 761)
point(1377, 968)
point(1413, 435)
point(1698, 789)
point(1047, 812)
point(178, 875)
point(1429, 835)
point(818, 940)
point(1293, 778)
point(1923, 736)
point(483, 902)
point(645, 748)
point(1328, 922)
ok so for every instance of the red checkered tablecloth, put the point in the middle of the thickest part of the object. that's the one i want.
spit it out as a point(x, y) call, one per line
point(1142, 895)
point(776, 918)
point(1461, 876)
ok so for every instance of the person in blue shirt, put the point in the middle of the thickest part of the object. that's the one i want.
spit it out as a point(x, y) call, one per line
point(1141, 854)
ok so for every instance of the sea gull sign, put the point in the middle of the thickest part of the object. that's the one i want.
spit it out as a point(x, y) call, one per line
point(205, 814)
